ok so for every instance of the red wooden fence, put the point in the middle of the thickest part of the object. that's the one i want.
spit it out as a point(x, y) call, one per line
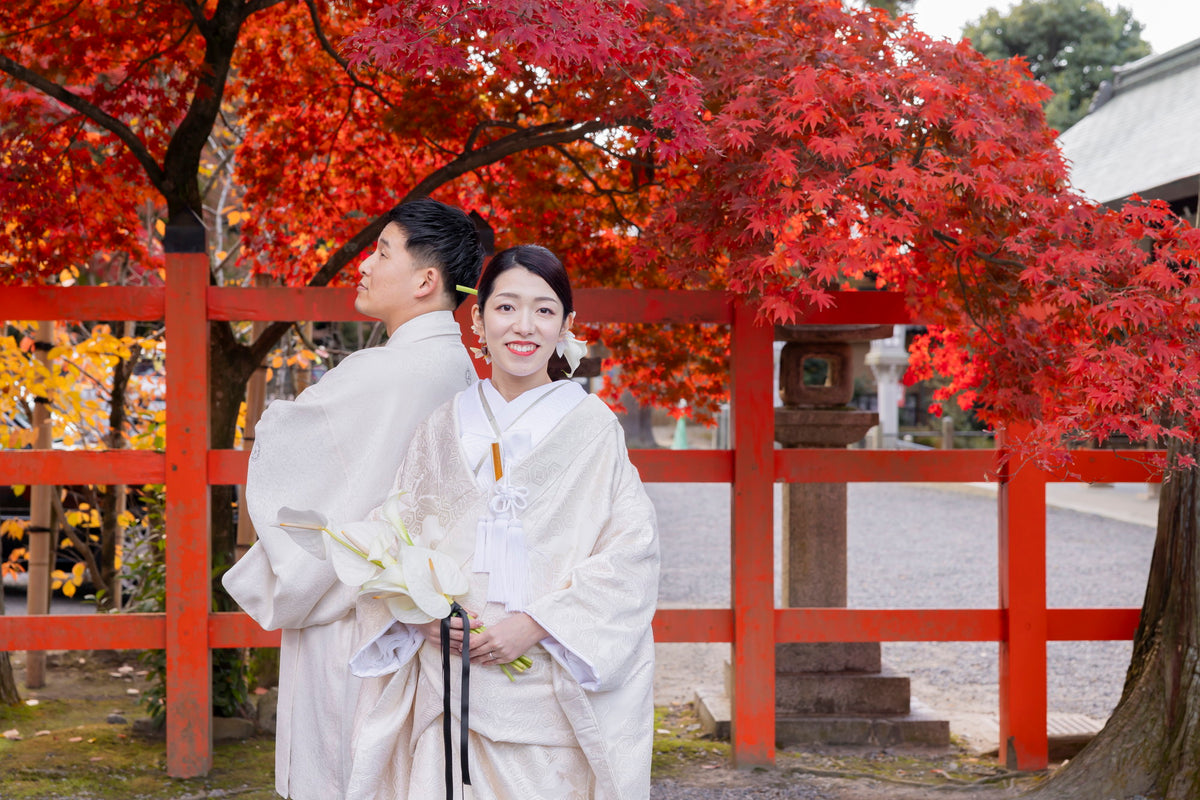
point(188, 630)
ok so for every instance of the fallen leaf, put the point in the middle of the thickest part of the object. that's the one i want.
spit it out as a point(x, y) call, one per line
point(75, 739)
point(96, 758)
point(33, 701)
point(42, 733)
point(12, 734)
point(132, 691)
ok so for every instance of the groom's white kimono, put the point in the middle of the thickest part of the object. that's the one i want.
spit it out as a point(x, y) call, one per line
point(335, 449)
point(579, 723)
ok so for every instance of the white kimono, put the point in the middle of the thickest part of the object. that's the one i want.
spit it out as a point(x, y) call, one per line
point(334, 449)
point(579, 723)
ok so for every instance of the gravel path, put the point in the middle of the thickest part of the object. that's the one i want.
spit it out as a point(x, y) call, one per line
point(918, 546)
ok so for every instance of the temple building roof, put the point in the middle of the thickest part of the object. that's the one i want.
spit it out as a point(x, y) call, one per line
point(1142, 132)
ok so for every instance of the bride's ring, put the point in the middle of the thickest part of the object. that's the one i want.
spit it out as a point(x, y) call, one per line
point(492, 655)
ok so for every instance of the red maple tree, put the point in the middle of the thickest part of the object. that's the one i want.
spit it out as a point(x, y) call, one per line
point(779, 150)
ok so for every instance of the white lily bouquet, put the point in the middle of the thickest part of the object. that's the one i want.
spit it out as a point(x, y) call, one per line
point(380, 558)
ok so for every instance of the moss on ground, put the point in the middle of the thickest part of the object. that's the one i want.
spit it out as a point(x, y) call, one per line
point(66, 750)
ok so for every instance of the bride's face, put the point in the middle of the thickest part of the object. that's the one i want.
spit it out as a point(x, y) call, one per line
point(522, 322)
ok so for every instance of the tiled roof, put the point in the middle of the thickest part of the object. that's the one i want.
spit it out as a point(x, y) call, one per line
point(1142, 135)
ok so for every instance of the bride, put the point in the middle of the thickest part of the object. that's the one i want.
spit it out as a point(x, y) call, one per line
point(526, 483)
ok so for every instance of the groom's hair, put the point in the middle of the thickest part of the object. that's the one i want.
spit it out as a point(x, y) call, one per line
point(441, 236)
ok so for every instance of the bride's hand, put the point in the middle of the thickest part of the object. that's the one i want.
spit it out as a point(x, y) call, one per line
point(432, 631)
point(506, 640)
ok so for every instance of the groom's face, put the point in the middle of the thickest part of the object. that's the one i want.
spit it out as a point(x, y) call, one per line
point(388, 279)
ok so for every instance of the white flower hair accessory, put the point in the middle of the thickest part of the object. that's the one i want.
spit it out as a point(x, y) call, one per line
point(572, 349)
point(482, 350)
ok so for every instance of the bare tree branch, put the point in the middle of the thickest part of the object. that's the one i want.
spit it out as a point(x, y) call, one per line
point(97, 115)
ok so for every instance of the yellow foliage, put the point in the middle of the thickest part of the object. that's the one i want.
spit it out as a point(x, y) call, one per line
point(13, 566)
point(13, 528)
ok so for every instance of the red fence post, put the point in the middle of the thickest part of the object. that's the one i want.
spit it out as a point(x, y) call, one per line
point(752, 548)
point(189, 687)
point(1022, 562)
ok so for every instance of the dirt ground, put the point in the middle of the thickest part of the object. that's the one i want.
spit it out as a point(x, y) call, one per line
point(77, 741)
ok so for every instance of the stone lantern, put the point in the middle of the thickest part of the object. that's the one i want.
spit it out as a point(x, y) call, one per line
point(827, 692)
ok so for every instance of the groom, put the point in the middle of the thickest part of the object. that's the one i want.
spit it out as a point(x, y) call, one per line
point(335, 449)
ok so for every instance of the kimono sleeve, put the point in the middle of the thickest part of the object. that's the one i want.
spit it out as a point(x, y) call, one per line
point(600, 618)
point(298, 461)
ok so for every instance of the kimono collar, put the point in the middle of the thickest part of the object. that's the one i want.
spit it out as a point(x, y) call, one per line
point(425, 326)
point(521, 432)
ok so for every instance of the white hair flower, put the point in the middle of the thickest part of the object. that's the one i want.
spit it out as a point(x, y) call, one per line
point(572, 349)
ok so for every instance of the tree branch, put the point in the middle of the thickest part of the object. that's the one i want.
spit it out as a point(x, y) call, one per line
point(607, 194)
point(328, 47)
point(197, 12)
point(48, 24)
point(549, 135)
point(254, 6)
point(97, 115)
point(85, 552)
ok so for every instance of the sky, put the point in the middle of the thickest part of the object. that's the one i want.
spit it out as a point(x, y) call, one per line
point(1166, 24)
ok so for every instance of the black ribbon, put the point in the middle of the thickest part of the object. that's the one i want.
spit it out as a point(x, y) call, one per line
point(447, 740)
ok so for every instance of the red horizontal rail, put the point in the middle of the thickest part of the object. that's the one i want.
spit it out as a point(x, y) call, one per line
point(71, 467)
point(888, 625)
point(227, 467)
point(862, 308)
point(326, 304)
point(683, 466)
point(592, 305)
point(1091, 624)
point(652, 305)
point(236, 629)
point(84, 632)
point(282, 303)
point(693, 625)
point(1111, 466)
point(82, 302)
point(831, 465)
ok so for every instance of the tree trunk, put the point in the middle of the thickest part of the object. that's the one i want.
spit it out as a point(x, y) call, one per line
point(1151, 744)
point(112, 501)
point(230, 365)
point(9, 695)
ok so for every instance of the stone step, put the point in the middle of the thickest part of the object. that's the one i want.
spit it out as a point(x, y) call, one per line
point(1067, 733)
point(913, 730)
point(836, 692)
point(828, 657)
point(845, 693)
point(918, 729)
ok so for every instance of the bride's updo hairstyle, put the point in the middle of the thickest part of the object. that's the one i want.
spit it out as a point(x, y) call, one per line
point(536, 259)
